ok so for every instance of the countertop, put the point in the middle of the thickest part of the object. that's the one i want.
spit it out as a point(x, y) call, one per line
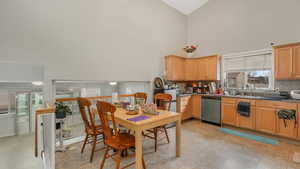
point(244, 97)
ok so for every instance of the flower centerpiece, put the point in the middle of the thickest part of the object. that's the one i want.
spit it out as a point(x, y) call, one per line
point(190, 49)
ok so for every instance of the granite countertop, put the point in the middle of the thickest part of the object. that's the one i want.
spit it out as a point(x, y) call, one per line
point(244, 97)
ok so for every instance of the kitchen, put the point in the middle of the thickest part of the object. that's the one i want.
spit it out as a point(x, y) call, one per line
point(262, 97)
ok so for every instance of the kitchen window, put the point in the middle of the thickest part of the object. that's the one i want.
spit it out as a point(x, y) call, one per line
point(249, 70)
point(258, 79)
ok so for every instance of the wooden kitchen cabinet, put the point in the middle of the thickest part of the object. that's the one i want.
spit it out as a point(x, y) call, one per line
point(212, 68)
point(175, 68)
point(228, 108)
point(296, 62)
point(247, 122)
point(290, 129)
point(196, 101)
point(202, 69)
point(266, 119)
point(191, 69)
point(263, 116)
point(185, 106)
point(189, 106)
point(287, 61)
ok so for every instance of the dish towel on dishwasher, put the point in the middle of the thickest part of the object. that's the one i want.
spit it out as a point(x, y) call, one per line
point(243, 109)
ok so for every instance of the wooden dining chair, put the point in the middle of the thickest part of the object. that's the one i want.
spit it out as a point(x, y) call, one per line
point(94, 133)
point(113, 139)
point(163, 101)
point(140, 95)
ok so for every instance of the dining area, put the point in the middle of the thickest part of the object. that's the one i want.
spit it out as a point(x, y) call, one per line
point(116, 133)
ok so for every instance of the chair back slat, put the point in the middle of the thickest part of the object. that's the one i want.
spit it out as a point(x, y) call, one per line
point(163, 100)
point(140, 95)
point(104, 108)
point(87, 115)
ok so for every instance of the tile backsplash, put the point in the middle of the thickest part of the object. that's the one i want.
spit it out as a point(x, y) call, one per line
point(287, 85)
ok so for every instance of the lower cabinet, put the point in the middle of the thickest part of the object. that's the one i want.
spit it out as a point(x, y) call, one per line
point(247, 122)
point(266, 119)
point(196, 106)
point(228, 113)
point(287, 129)
point(184, 106)
point(189, 106)
point(263, 117)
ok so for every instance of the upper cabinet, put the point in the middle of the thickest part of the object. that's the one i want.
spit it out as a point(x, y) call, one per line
point(192, 69)
point(175, 66)
point(296, 61)
point(287, 61)
point(212, 68)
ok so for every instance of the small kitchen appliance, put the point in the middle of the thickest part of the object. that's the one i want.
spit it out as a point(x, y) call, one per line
point(295, 94)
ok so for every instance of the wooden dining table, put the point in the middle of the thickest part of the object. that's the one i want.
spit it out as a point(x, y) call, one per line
point(163, 118)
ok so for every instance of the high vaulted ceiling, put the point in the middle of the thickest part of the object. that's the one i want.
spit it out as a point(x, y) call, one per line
point(185, 6)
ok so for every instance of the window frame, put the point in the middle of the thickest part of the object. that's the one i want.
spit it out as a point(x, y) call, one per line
point(271, 79)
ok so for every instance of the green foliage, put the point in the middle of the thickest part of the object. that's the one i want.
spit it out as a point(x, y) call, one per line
point(61, 108)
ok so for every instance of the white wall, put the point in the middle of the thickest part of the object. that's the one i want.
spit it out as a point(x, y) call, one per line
point(91, 40)
point(12, 72)
point(243, 25)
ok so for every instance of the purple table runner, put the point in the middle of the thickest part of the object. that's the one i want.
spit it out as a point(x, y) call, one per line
point(138, 118)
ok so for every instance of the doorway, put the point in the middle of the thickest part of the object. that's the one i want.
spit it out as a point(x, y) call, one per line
point(26, 103)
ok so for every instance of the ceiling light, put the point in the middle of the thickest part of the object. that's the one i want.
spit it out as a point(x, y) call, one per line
point(113, 83)
point(37, 83)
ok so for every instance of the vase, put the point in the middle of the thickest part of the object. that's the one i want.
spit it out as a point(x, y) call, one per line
point(190, 55)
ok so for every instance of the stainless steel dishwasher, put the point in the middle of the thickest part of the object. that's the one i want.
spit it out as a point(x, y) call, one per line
point(211, 109)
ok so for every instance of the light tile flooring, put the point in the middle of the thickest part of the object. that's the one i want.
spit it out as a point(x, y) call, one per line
point(203, 147)
point(18, 153)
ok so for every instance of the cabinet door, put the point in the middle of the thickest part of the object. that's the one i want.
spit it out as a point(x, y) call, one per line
point(247, 122)
point(284, 66)
point(174, 68)
point(211, 72)
point(202, 69)
point(188, 69)
point(296, 62)
point(196, 99)
point(191, 68)
point(266, 119)
point(189, 110)
point(229, 114)
point(184, 106)
point(288, 129)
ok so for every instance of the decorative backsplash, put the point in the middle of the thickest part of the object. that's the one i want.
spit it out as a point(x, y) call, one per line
point(287, 85)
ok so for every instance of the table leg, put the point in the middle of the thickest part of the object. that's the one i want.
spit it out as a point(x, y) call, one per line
point(138, 149)
point(178, 138)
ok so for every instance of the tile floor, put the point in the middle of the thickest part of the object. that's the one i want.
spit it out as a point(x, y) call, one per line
point(17, 152)
point(203, 147)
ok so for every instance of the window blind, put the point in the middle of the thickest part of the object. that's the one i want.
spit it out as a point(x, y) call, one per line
point(247, 61)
